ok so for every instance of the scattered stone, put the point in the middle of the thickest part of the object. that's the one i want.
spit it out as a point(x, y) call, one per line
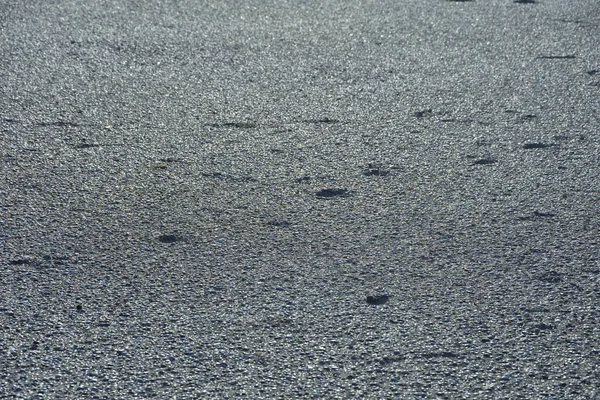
point(86, 145)
point(375, 172)
point(544, 327)
point(550, 277)
point(304, 179)
point(429, 111)
point(528, 117)
point(280, 224)
point(239, 125)
point(328, 193)
point(213, 174)
point(325, 120)
point(61, 124)
point(277, 131)
point(543, 214)
point(377, 300)
point(391, 360)
point(168, 238)
point(20, 261)
point(536, 214)
point(170, 160)
point(484, 161)
point(79, 307)
point(461, 121)
point(565, 57)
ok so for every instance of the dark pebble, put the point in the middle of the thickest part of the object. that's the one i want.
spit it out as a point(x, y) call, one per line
point(424, 113)
point(282, 224)
point(325, 120)
point(168, 238)
point(86, 145)
point(543, 214)
point(20, 261)
point(378, 300)
point(304, 179)
point(484, 161)
point(375, 172)
point(326, 193)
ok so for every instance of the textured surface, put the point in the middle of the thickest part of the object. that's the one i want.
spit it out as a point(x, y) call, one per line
point(197, 198)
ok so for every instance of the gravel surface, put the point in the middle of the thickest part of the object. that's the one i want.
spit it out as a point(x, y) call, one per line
point(300, 199)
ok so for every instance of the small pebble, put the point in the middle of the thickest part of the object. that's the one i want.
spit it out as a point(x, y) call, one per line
point(326, 193)
point(378, 300)
point(168, 238)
